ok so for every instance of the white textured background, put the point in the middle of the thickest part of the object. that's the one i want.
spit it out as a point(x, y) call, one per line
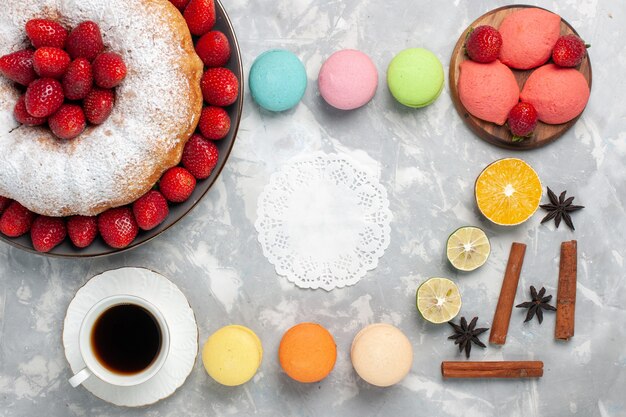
point(429, 161)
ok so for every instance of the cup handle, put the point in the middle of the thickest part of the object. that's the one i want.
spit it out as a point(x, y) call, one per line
point(80, 377)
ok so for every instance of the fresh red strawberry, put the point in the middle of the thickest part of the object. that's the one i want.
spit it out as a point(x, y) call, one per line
point(82, 230)
point(21, 114)
point(98, 105)
point(109, 70)
point(220, 87)
point(180, 4)
point(118, 227)
point(569, 51)
point(47, 232)
point(44, 97)
point(18, 66)
point(177, 184)
point(4, 203)
point(522, 121)
point(213, 49)
point(85, 41)
point(483, 44)
point(78, 79)
point(16, 220)
point(214, 123)
point(200, 16)
point(44, 32)
point(68, 122)
point(200, 156)
point(51, 62)
point(150, 210)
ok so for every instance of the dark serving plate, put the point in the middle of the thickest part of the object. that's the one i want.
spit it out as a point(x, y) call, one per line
point(177, 211)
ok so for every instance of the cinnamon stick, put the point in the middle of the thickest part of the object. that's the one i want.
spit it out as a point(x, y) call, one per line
point(502, 369)
point(566, 293)
point(502, 316)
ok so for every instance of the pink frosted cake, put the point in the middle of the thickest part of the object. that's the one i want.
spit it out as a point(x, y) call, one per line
point(488, 91)
point(558, 94)
point(528, 36)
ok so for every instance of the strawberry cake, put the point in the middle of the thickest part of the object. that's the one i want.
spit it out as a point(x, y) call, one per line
point(157, 108)
point(528, 36)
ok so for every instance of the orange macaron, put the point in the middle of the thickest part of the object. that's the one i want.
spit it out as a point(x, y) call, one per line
point(307, 352)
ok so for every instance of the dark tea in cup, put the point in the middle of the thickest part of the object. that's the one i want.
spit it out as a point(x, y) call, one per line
point(126, 339)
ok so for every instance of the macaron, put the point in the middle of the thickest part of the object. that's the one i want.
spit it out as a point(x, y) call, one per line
point(381, 354)
point(277, 80)
point(232, 355)
point(415, 77)
point(307, 352)
point(348, 79)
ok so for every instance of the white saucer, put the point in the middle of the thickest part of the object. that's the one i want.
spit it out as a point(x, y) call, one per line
point(180, 318)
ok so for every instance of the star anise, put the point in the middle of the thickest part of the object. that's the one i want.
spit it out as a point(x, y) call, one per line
point(464, 335)
point(559, 208)
point(537, 305)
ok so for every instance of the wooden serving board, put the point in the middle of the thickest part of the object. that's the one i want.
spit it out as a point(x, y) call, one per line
point(490, 132)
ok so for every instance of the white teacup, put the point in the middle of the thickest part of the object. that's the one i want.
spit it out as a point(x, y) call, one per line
point(94, 367)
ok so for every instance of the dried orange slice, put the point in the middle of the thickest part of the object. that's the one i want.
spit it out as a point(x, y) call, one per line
point(508, 191)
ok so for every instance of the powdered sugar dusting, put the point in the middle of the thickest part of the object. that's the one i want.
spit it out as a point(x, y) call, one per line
point(111, 162)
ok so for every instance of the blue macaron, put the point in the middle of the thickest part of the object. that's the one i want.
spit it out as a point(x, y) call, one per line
point(277, 80)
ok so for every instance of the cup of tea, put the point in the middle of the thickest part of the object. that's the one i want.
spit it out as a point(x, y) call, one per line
point(124, 340)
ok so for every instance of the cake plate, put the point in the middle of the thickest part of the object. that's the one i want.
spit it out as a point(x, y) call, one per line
point(177, 211)
point(491, 132)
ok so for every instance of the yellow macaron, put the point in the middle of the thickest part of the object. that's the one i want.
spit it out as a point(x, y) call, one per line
point(232, 355)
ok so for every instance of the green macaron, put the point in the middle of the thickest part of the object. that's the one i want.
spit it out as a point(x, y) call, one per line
point(415, 77)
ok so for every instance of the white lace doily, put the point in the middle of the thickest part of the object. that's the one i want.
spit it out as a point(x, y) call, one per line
point(323, 221)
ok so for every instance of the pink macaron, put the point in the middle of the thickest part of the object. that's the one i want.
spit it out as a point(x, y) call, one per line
point(348, 79)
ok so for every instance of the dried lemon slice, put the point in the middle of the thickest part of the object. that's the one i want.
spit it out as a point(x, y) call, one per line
point(468, 248)
point(438, 300)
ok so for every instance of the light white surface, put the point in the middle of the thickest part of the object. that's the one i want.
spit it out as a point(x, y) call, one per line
point(323, 221)
point(179, 356)
point(429, 160)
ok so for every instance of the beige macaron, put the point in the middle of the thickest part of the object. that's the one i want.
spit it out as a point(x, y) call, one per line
point(381, 354)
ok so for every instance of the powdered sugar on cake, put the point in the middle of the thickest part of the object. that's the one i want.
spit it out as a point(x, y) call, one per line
point(156, 109)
